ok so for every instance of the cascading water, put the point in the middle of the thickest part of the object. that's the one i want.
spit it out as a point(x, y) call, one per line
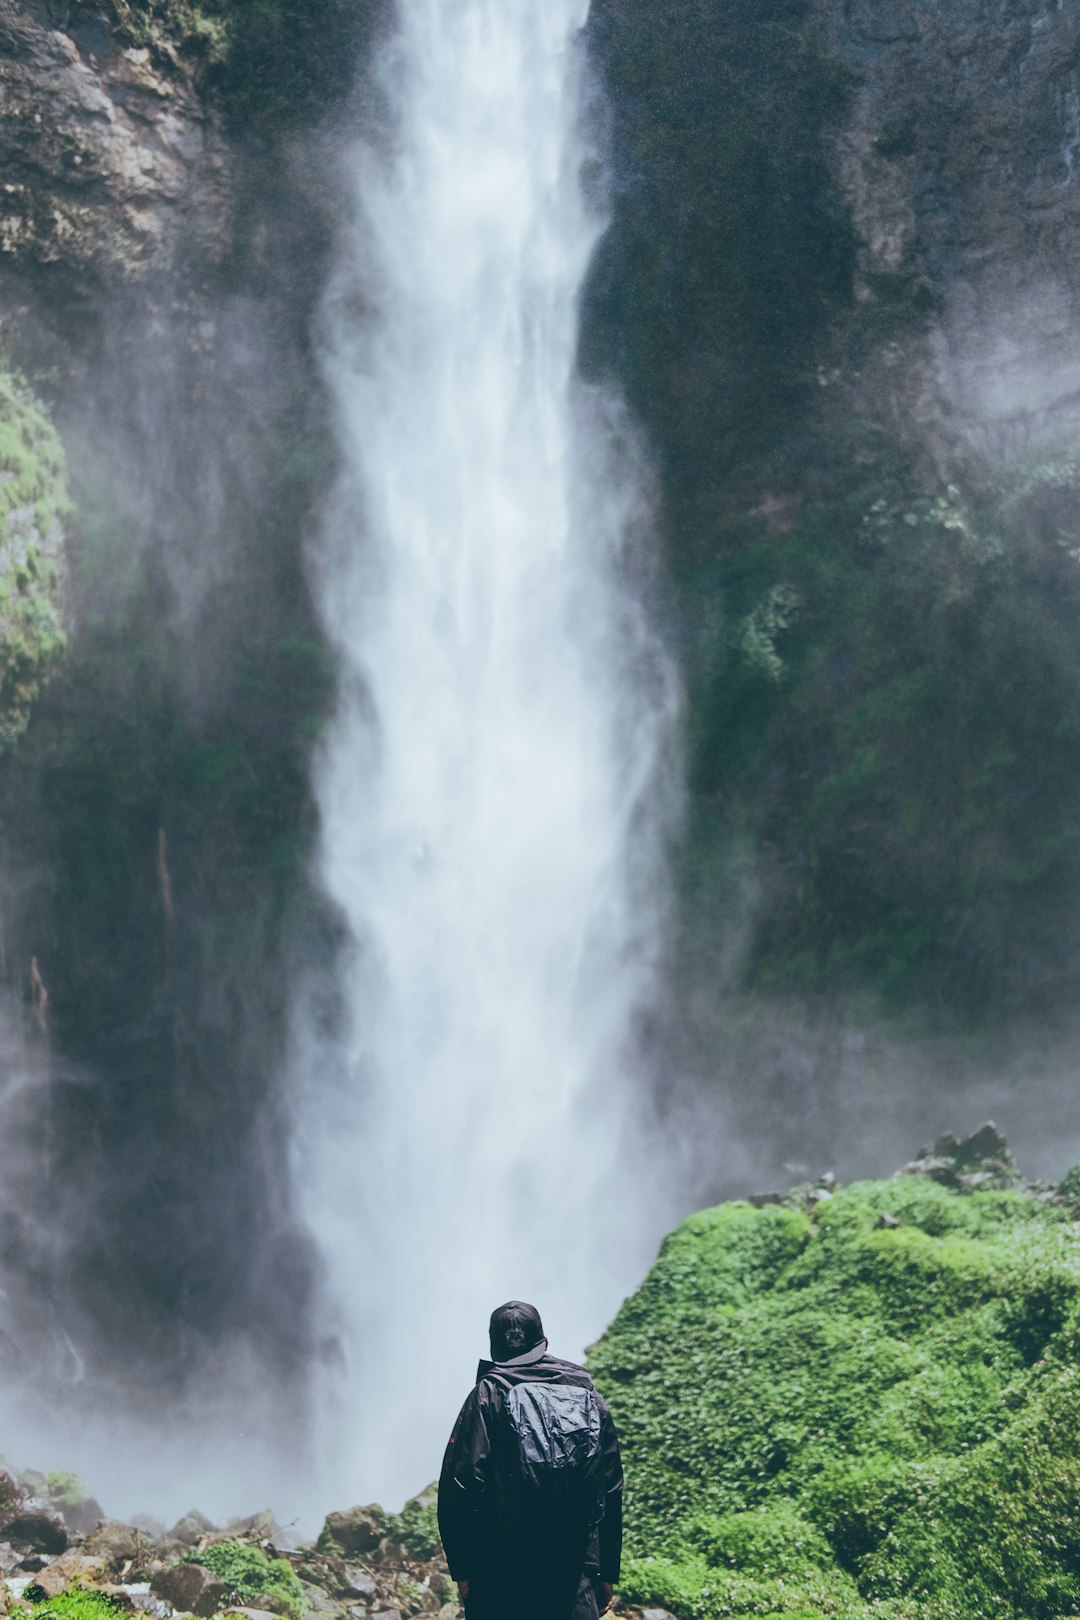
point(492, 791)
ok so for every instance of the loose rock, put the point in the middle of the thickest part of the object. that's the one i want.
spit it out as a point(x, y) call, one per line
point(32, 1530)
point(359, 1530)
point(191, 1588)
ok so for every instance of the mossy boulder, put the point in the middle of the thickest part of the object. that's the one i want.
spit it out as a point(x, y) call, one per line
point(34, 508)
point(866, 1409)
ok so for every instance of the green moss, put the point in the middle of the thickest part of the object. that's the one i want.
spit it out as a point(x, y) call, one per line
point(848, 1419)
point(34, 507)
point(253, 1576)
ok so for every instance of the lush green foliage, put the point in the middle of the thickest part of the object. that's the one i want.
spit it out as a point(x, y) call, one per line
point(883, 694)
point(825, 1416)
point(251, 1575)
point(34, 506)
point(416, 1527)
point(77, 1603)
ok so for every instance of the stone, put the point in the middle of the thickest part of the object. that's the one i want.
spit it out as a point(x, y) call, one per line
point(359, 1530)
point(70, 1569)
point(762, 1200)
point(32, 1529)
point(259, 1526)
point(320, 1606)
point(254, 1614)
point(355, 1581)
point(116, 1543)
point(191, 1588)
point(192, 1528)
point(888, 1222)
point(9, 1491)
point(84, 1516)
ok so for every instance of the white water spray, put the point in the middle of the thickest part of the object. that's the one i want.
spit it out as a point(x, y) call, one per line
point(492, 788)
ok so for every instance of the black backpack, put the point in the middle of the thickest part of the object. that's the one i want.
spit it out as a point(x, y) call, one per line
point(548, 1461)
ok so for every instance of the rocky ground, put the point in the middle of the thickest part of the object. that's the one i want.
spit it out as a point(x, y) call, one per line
point(366, 1564)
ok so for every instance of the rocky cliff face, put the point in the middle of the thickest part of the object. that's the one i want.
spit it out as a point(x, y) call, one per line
point(957, 158)
point(113, 166)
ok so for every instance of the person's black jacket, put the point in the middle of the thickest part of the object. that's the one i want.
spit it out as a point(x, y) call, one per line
point(470, 1533)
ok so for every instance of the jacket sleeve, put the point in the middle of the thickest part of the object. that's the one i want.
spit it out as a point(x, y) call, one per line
point(611, 1523)
point(461, 1486)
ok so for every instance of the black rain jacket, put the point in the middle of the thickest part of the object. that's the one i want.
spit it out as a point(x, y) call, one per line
point(471, 1535)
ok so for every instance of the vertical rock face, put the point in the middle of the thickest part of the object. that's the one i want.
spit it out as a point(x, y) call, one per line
point(111, 162)
point(958, 158)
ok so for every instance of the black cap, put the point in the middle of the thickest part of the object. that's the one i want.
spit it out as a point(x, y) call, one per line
point(514, 1328)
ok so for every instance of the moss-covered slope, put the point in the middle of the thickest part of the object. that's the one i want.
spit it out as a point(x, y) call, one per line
point(34, 504)
point(867, 1406)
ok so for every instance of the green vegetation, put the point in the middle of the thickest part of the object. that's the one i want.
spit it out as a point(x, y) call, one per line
point(416, 1527)
point(882, 693)
point(66, 1489)
point(252, 1576)
point(77, 1603)
point(827, 1414)
point(34, 506)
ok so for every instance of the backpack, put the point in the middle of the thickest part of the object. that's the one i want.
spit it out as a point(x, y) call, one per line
point(548, 1463)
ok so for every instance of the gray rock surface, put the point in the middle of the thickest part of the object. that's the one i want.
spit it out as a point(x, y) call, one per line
point(109, 155)
point(191, 1589)
point(959, 158)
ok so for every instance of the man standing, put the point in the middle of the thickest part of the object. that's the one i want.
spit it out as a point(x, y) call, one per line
point(530, 1495)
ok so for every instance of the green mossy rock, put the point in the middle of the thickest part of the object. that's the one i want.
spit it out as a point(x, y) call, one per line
point(34, 505)
point(831, 1415)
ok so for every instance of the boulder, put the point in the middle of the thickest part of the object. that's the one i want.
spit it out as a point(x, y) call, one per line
point(354, 1581)
point(32, 1530)
point(117, 1544)
point(192, 1528)
point(9, 1491)
point(83, 1516)
point(71, 1568)
point(191, 1588)
point(358, 1530)
point(258, 1527)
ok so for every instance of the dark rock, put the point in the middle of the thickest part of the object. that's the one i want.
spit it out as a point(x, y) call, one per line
point(192, 1589)
point(358, 1530)
point(762, 1200)
point(984, 1147)
point(34, 1530)
point(9, 1491)
point(116, 1544)
point(934, 1169)
point(82, 1517)
point(192, 1528)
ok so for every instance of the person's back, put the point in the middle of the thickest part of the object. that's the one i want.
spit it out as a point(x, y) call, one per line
point(530, 1496)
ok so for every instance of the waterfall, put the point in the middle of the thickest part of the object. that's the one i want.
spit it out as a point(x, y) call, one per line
point(469, 1116)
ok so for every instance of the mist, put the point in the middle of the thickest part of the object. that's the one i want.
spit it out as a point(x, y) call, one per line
point(442, 871)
